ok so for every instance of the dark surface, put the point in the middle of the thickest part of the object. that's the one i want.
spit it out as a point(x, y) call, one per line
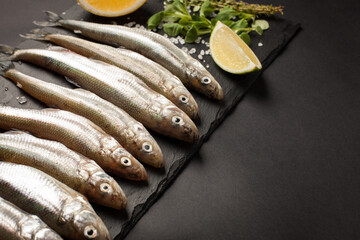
point(284, 164)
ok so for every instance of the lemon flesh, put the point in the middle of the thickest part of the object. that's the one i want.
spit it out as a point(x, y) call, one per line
point(111, 8)
point(230, 52)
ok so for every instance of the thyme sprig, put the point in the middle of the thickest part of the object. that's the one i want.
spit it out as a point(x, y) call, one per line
point(241, 6)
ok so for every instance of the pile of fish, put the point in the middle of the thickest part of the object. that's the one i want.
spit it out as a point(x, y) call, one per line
point(53, 160)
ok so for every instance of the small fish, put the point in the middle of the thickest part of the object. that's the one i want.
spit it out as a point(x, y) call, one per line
point(130, 133)
point(152, 45)
point(60, 207)
point(78, 134)
point(153, 74)
point(115, 85)
point(17, 224)
point(67, 166)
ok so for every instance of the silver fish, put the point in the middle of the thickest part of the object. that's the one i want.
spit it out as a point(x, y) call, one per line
point(152, 45)
point(115, 85)
point(16, 224)
point(67, 166)
point(61, 208)
point(78, 134)
point(130, 133)
point(153, 74)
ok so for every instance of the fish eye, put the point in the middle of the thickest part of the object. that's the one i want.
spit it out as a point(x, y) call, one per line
point(183, 99)
point(90, 232)
point(105, 187)
point(177, 120)
point(205, 80)
point(147, 147)
point(126, 161)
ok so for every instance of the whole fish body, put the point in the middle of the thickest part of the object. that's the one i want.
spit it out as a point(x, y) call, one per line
point(152, 45)
point(153, 74)
point(78, 134)
point(67, 166)
point(60, 207)
point(130, 133)
point(115, 85)
point(16, 224)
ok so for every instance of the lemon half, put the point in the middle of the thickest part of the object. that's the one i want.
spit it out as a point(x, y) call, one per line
point(111, 8)
point(230, 52)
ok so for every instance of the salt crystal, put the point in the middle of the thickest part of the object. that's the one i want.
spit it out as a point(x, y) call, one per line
point(202, 52)
point(207, 66)
point(21, 100)
point(63, 13)
point(202, 41)
point(192, 51)
point(200, 57)
point(207, 52)
point(182, 41)
point(165, 35)
point(260, 44)
point(185, 49)
point(198, 40)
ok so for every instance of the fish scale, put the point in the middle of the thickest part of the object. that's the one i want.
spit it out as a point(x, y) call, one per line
point(63, 209)
point(69, 167)
point(130, 133)
point(77, 133)
point(152, 45)
point(18, 224)
point(118, 87)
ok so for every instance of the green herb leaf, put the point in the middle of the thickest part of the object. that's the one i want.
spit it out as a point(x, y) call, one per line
point(242, 23)
point(191, 35)
point(206, 9)
point(258, 30)
point(177, 7)
point(185, 20)
point(196, 8)
point(155, 20)
point(263, 24)
point(173, 29)
point(245, 36)
point(226, 14)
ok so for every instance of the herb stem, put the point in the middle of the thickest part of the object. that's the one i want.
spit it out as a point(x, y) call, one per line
point(241, 6)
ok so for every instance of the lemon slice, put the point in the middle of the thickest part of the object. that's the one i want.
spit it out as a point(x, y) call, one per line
point(230, 52)
point(111, 8)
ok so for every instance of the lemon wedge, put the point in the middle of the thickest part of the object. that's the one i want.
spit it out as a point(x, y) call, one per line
point(111, 8)
point(230, 52)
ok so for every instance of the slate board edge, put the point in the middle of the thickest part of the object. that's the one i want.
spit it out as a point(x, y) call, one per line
point(174, 171)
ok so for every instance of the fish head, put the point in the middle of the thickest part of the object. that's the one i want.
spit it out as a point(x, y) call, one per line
point(178, 125)
point(148, 150)
point(81, 218)
point(185, 101)
point(121, 162)
point(104, 190)
point(89, 226)
point(33, 226)
point(202, 81)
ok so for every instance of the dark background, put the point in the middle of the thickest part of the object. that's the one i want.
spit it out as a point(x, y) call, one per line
point(286, 163)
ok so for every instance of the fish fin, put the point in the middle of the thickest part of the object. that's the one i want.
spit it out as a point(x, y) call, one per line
point(7, 50)
point(5, 66)
point(57, 48)
point(72, 82)
point(36, 34)
point(52, 21)
point(16, 132)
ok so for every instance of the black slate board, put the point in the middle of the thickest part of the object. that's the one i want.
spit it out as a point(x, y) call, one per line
point(212, 113)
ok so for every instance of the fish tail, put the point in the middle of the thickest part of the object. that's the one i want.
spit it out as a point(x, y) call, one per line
point(6, 53)
point(36, 34)
point(5, 66)
point(52, 21)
